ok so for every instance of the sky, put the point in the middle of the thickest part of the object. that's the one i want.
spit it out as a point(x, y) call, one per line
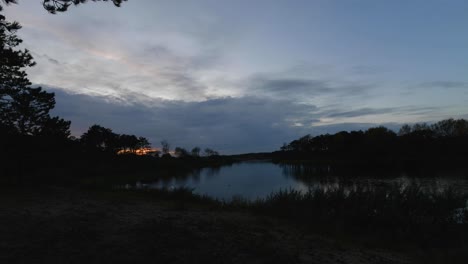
point(247, 76)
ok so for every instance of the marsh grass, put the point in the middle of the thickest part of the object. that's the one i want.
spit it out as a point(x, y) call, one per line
point(394, 213)
point(408, 214)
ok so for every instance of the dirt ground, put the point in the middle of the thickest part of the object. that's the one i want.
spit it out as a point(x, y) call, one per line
point(55, 225)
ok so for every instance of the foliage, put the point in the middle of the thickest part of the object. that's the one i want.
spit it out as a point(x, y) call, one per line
point(54, 6)
point(211, 153)
point(394, 213)
point(419, 141)
point(195, 152)
point(143, 143)
point(23, 109)
point(181, 152)
point(165, 147)
point(30, 113)
point(99, 138)
point(410, 215)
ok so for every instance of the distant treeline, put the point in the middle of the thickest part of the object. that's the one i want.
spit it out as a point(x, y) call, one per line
point(445, 140)
point(102, 139)
point(99, 157)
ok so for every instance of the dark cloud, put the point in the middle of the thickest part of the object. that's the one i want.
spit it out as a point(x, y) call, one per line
point(359, 112)
point(286, 86)
point(53, 61)
point(335, 113)
point(46, 57)
point(130, 58)
point(367, 70)
point(444, 84)
point(231, 125)
point(302, 88)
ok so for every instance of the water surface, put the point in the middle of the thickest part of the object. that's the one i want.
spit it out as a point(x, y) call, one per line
point(258, 179)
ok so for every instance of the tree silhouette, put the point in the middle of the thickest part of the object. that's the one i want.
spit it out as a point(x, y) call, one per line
point(210, 153)
point(446, 140)
point(143, 143)
point(196, 152)
point(100, 138)
point(451, 128)
point(127, 143)
point(404, 130)
point(30, 112)
point(55, 127)
point(181, 152)
point(54, 6)
point(13, 78)
point(165, 147)
point(23, 109)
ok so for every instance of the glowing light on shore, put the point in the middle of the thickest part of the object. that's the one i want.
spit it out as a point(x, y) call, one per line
point(144, 151)
point(139, 152)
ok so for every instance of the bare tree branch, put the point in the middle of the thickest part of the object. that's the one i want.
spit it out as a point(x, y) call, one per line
point(54, 6)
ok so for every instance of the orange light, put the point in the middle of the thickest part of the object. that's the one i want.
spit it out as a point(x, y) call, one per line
point(139, 152)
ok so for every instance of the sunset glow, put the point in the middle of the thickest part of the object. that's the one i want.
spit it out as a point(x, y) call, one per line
point(140, 152)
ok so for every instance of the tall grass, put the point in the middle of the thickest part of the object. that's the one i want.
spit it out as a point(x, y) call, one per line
point(393, 212)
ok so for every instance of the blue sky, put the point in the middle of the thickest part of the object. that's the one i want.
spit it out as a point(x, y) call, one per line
point(241, 76)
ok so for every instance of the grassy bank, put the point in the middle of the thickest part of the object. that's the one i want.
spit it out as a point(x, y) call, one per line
point(414, 222)
point(62, 225)
point(396, 214)
point(426, 224)
point(392, 216)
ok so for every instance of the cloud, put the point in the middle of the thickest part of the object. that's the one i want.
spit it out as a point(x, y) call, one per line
point(196, 74)
point(230, 125)
point(155, 52)
point(358, 112)
point(299, 88)
point(118, 58)
point(287, 85)
point(335, 113)
point(45, 57)
point(367, 70)
point(444, 84)
point(159, 73)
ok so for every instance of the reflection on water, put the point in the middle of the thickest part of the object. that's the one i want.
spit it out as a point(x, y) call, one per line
point(325, 177)
point(253, 180)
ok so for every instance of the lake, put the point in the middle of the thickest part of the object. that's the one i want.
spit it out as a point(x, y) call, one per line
point(257, 179)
